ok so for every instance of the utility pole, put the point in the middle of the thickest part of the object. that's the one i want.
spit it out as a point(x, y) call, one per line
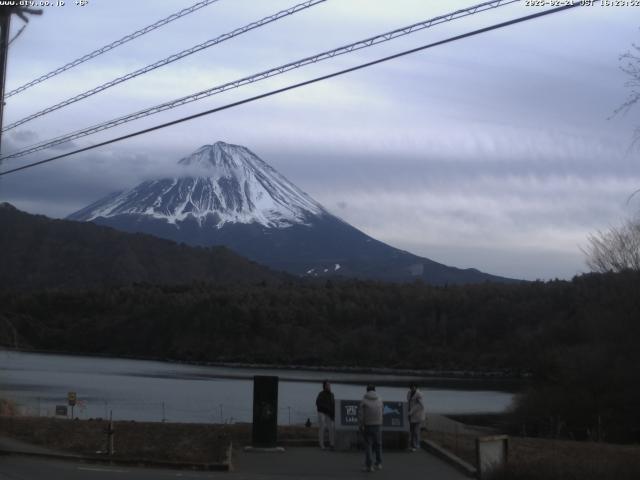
point(5, 27)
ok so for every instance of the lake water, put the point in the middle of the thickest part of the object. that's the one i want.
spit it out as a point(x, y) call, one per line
point(153, 391)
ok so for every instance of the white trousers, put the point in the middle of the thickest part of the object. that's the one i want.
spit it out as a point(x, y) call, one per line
point(325, 423)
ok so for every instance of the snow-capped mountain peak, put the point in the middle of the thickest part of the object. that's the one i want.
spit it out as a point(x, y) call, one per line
point(232, 185)
point(224, 194)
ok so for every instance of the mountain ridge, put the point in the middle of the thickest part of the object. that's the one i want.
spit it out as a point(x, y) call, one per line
point(40, 252)
point(240, 201)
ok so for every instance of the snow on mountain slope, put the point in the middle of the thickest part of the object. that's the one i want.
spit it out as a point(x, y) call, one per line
point(232, 185)
point(225, 195)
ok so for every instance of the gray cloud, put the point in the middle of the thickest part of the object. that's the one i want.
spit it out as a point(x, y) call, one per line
point(70, 145)
point(24, 136)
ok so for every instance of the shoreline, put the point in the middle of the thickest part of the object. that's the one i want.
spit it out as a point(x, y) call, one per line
point(507, 378)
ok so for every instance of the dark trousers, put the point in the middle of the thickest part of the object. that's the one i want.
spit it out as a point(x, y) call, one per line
point(415, 434)
point(372, 444)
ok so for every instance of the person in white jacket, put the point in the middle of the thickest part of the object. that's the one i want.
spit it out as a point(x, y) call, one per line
point(415, 413)
point(370, 417)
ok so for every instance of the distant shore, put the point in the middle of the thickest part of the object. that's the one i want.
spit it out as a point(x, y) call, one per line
point(503, 379)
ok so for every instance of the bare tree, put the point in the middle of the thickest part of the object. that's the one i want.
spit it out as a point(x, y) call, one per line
point(616, 249)
point(630, 64)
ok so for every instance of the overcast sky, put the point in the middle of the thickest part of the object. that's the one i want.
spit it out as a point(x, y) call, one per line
point(497, 152)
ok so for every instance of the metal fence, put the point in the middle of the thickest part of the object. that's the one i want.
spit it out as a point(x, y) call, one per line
point(157, 411)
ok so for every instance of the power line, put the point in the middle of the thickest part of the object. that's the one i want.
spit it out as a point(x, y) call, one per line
point(111, 46)
point(368, 42)
point(18, 33)
point(297, 85)
point(168, 60)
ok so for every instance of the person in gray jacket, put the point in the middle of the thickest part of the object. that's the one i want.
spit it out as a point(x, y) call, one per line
point(370, 417)
point(416, 414)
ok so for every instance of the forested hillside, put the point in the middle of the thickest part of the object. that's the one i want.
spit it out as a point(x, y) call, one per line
point(38, 252)
point(357, 323)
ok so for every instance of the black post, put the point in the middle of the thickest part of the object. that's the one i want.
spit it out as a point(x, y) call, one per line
point(5, 26)
point(265, 411)
point(110, 435)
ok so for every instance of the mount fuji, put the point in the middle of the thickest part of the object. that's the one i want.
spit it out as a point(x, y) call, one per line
point(228, 196)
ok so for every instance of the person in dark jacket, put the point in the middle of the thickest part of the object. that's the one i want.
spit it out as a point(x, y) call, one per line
point(326, 414)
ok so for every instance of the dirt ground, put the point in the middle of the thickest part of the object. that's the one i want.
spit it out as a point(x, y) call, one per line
point(174, 442)
point(538, 458)
point(529, 458)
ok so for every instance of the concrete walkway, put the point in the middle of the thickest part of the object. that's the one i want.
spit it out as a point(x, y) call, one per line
point(313, 463)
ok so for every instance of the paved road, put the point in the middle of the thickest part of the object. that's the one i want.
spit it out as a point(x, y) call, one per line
point(13, 445)
point(298, 463)
point(313, 463)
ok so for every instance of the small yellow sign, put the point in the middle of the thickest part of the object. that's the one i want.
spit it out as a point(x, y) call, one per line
point(71, 397)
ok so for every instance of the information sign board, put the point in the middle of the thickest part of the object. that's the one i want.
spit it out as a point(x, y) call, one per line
point(394, 415)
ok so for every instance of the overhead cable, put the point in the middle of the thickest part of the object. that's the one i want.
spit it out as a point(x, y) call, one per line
point(368, 42)
point(295, 86)
point(168, 60)
point(111, 46)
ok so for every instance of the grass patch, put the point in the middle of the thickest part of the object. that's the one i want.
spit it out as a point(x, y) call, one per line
point(8, 408)
point(175, 442)
point(534, 458)
point(543, 459)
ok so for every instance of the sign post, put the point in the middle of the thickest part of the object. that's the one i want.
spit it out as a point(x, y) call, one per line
point(71, 399)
